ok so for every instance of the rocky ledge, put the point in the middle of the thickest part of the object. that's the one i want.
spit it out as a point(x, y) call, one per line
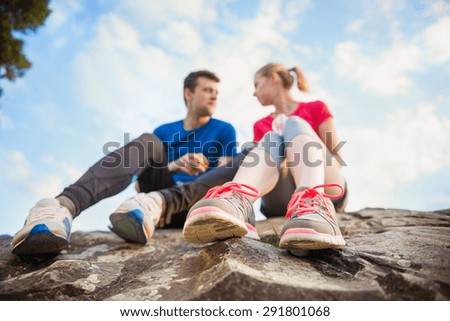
point(390, 255)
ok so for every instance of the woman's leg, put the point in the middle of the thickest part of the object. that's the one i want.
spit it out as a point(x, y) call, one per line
point(260, 169)
point(313, 224)
point(227, 210)
point(310, 162)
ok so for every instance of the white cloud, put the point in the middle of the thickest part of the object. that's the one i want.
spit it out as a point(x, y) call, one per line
point(437, 41)
point(64, 22)
point(441, 202)
point(389, 72)
point(381, 17)
point(355, 25)
point(68, 171)
point(73, 173)
point(61, 13)
point(384, 7)
point(20, 169)
point(389, 6)
point(181, 38)
point(412, 143)
point(151, 12)
point(5, 121)
point(128, 83)
point(237, 55)
point(262, 29)
point(385, 74)
point(56, 20)
point(438, 8)
point(139, 84)
point(46, 186)
point(17, 171)
point(23, 184)
point(291, 11)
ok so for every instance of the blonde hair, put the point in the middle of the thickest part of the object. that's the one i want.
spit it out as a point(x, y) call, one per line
point(285, 75)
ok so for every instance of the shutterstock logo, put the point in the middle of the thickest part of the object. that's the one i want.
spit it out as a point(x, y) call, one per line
point(148, 151)
point(138, 153)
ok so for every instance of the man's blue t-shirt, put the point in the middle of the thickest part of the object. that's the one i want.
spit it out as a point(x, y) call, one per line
point(215, 139)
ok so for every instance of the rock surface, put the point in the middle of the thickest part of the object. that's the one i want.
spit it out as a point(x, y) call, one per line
point(390, 255)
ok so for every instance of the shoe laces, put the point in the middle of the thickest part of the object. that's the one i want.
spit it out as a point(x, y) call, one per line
point(43, 213)
point(307, 200)
point(230, 189)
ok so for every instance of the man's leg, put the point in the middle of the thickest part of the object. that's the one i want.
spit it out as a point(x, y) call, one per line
point(136, 218)
point(179, 199)
point(114, 172)
point(48, 225)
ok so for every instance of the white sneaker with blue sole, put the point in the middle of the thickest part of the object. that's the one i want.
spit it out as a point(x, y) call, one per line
point(46, 230)
point(135, 219)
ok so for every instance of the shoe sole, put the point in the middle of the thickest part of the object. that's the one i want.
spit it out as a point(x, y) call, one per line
point(129, 226)
point(308, 239)
point(41, 241)
point(211, 226)
point(252, 234)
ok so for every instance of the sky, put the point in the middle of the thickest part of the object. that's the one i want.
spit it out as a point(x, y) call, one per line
point(105, 69)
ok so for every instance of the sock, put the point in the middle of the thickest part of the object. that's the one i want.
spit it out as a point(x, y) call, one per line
point(67, 203)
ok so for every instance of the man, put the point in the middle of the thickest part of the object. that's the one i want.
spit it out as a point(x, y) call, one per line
point(175, 153)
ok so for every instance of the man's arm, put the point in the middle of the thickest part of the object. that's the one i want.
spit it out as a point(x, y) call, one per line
point(228, 141)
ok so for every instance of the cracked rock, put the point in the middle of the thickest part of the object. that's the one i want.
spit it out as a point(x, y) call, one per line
point(390, 255)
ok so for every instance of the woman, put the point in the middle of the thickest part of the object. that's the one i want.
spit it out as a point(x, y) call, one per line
point(292, 169)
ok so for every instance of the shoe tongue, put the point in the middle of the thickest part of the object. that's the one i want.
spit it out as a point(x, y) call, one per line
point(48, 202)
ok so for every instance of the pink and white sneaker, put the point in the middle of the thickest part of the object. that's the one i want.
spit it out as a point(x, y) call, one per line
point(224, 212)
point(313, 223)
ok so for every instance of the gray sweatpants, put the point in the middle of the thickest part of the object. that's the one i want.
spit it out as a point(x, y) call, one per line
point(145, 157)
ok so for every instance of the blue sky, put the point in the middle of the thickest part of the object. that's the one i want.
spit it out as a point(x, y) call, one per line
point(105, 68)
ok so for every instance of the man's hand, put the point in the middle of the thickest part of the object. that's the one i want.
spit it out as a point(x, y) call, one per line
point(192, 164)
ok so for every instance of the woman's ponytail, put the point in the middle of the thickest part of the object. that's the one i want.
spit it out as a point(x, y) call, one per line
point(287, 78)
point(302, 84)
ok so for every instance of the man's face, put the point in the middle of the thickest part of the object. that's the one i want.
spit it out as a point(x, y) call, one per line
point(203, 100)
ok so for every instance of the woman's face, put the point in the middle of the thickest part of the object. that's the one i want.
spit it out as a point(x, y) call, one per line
point(264, 90)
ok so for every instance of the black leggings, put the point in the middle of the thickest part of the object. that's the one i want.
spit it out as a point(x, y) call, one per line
point(276, 201)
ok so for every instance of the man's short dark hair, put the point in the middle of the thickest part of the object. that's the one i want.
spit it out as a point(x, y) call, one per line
point(190, 81)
